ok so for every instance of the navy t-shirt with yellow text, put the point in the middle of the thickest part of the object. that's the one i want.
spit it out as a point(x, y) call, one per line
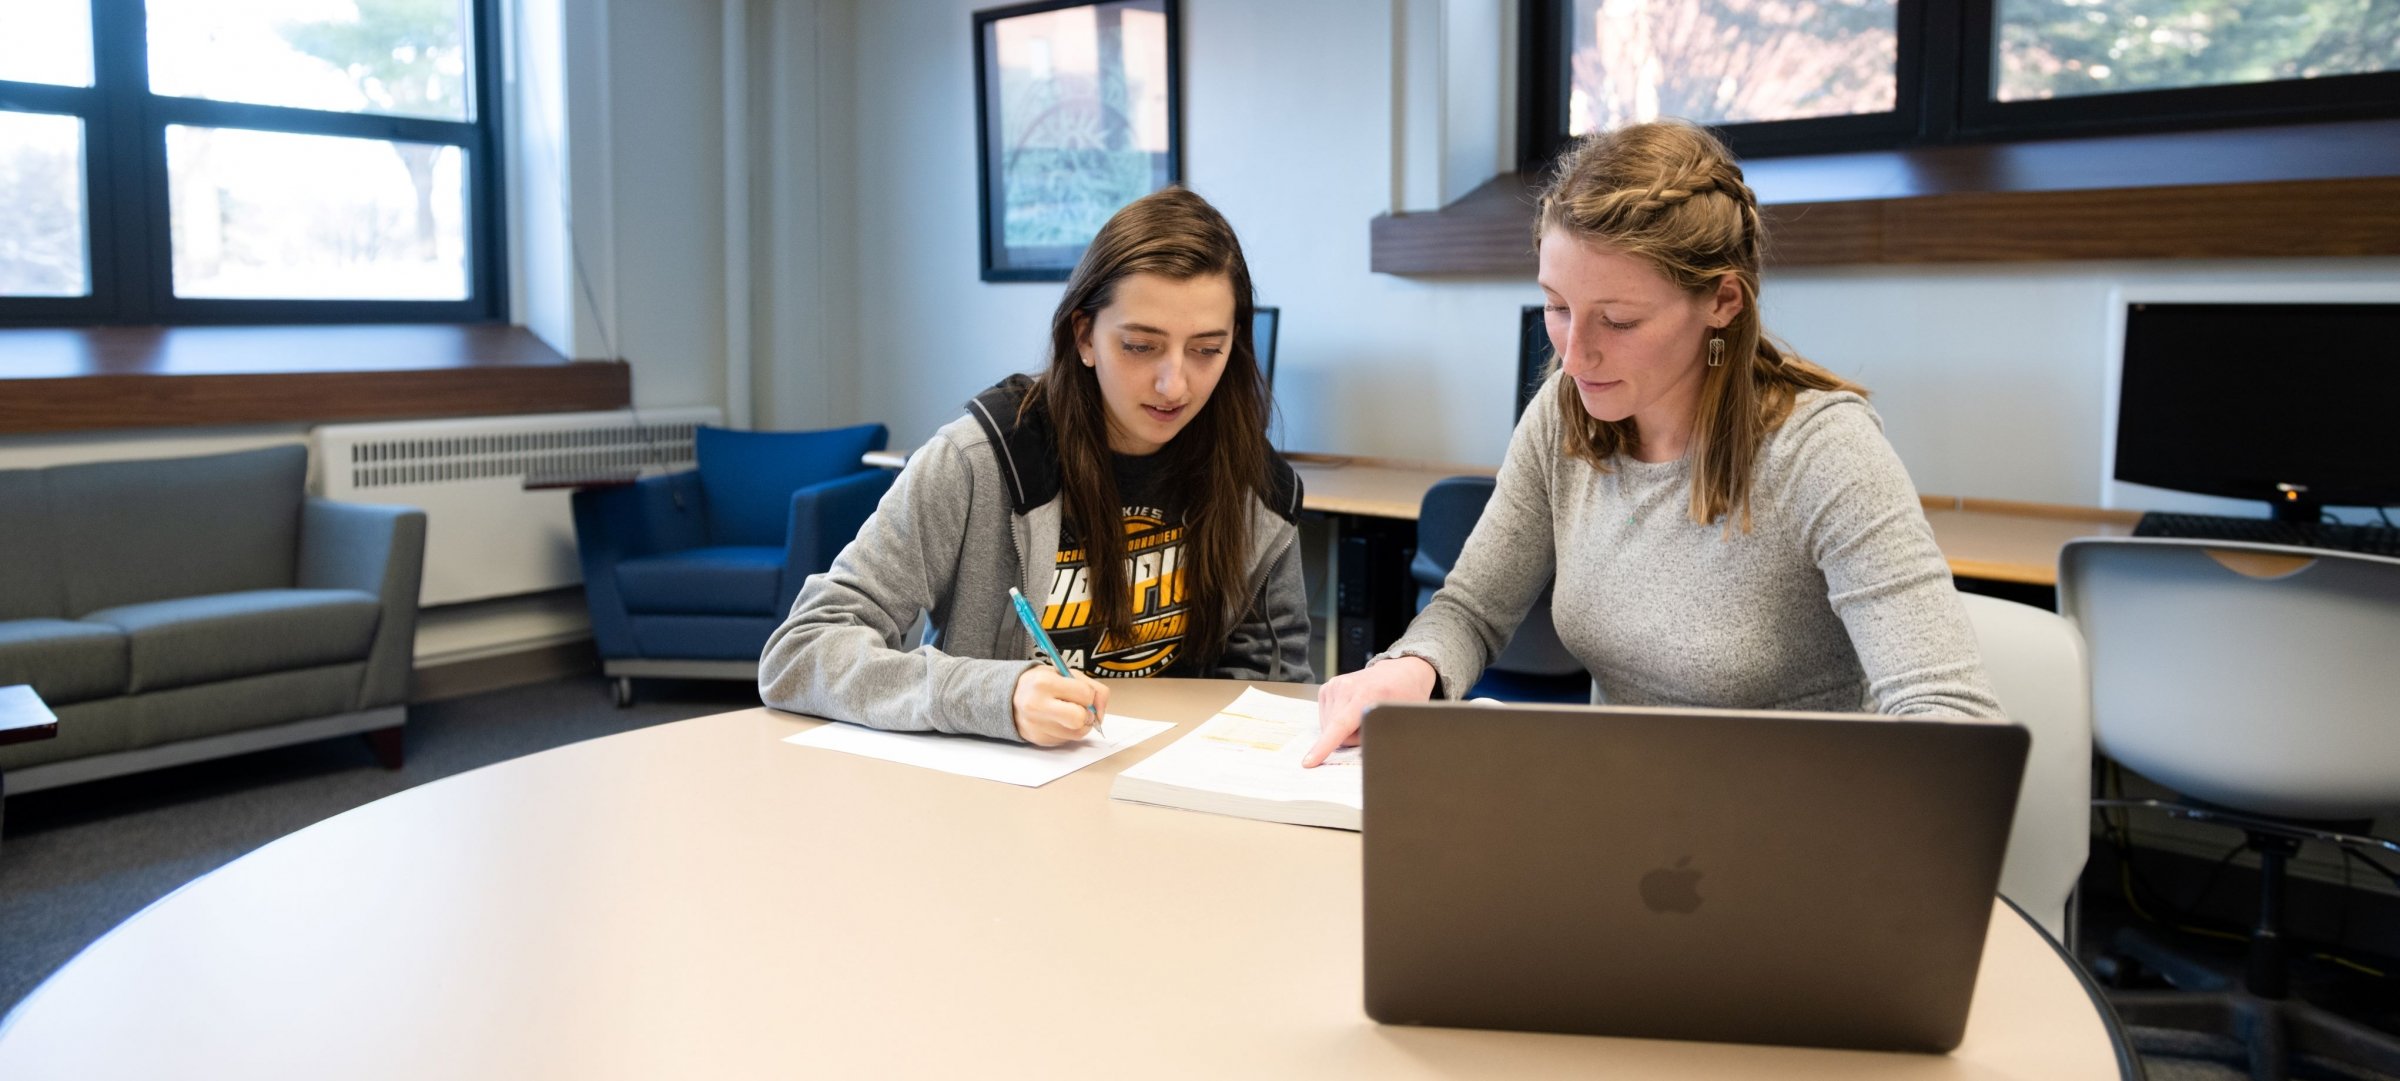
point(1154, 554)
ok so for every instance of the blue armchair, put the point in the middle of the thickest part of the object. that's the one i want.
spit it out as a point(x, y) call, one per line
point(686, 574)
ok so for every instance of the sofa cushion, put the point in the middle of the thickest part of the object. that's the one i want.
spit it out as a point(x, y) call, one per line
point(64, 660)
point(232, 705)
point(703, 638)
point(130, 532)
point(29, 585)
point(192, 640)
point(749, 477)
point(703, 581)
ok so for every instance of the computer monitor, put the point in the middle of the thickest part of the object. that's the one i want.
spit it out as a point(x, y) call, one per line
point(1533, 356)
point(2290, 403)
point(1262, 338)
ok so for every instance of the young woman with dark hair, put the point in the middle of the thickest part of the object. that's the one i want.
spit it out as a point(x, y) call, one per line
point(1128, 490)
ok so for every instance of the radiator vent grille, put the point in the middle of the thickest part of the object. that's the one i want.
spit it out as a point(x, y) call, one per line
point(496, 490)
point(555, 457)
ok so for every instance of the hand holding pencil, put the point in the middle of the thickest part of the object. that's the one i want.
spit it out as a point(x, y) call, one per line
point(1053, 709)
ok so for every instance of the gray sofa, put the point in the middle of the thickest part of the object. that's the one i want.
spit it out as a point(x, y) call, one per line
point(187, 608)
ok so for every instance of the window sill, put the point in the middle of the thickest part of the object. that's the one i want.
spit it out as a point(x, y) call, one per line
point(90, 378)
point(2301, 190)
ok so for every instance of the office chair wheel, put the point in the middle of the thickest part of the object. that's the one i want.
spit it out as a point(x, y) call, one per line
point(624, 691)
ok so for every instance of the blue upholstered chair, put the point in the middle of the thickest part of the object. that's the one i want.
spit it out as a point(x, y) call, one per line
point(1533, 666)
point(687, 573)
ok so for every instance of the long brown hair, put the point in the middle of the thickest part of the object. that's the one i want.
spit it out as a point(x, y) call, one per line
point(1220, 458)
point(1670, 194)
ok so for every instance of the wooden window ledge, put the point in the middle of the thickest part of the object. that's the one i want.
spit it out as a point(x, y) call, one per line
point(86, 378)
point(2301, 190)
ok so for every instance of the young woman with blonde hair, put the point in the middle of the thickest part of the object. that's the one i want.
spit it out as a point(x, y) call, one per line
point(1128, 491)
point(1727, 524)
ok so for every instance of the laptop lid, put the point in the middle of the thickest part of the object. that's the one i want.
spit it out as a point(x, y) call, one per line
point(1787, 878)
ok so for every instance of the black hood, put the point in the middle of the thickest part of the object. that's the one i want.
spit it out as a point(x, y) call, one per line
point(1028, 450)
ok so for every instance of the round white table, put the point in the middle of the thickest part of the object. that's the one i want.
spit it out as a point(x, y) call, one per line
point(702, 900)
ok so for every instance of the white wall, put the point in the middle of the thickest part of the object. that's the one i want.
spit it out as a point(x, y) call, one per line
point(666, 167)
point(1989, 377)
point(541, 279)
point(654, 159)
point(929, 334)
point(616, 189)
point(1287, 128)
point(805, 181)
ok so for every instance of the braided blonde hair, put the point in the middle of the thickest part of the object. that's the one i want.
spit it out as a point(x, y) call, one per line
point(1669, 193)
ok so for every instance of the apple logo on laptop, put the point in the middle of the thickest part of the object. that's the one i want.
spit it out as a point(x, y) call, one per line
point(1673, 889)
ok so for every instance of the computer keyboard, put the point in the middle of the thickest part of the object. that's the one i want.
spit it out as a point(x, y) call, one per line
point(2369, 539)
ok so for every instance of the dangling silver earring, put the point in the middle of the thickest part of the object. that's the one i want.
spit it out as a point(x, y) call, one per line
point(1716, 352)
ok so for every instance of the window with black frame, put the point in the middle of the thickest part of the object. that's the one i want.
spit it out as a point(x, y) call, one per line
point(1815, 76)
point(213, 161)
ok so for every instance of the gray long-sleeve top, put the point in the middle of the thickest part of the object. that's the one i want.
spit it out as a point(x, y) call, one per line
point(1837, 599)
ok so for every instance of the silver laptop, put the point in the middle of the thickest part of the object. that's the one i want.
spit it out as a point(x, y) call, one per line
point(1787, 878)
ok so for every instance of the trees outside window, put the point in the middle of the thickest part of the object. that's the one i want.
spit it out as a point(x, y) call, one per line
point(1810, 76)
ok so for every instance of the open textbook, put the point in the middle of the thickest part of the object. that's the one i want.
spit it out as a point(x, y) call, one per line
point(1245, 761)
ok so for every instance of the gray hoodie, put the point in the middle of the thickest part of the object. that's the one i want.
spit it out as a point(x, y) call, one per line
point(977, 511)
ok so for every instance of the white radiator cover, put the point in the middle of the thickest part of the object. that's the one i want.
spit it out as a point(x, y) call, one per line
point(486, 533)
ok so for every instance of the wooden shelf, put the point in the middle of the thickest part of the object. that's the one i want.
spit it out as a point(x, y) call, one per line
point(2306, 190)
point(86, 378)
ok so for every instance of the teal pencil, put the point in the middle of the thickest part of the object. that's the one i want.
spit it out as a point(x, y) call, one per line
point(1041, 641)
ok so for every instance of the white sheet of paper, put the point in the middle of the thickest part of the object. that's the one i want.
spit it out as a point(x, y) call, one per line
point(1015, 763)
point(1252, 748)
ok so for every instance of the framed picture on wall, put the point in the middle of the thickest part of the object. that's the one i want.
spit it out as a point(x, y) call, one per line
point(1077, 114)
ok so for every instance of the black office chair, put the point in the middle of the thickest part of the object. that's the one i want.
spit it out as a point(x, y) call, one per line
point(1534, 666)
point(1263, 321)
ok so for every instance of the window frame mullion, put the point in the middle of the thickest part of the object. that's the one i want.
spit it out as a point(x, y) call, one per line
point(121, 71)
point(207, 113)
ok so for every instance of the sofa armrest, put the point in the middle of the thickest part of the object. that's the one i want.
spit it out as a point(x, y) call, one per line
point(375, 549)
point(826, 517)
point(652, 515)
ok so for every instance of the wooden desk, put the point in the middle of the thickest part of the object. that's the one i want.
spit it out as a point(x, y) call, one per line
point(1377, 487)
point(1994, 539)
point(2003, 541)
point(701, 900)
